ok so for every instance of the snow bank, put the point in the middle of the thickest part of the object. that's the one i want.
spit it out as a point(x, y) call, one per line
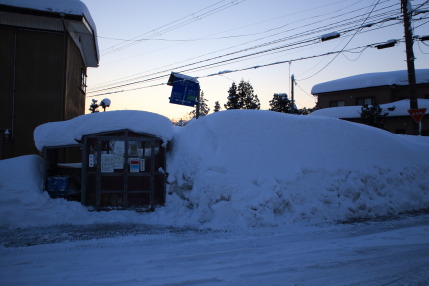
point(246, 168)
point(70, 131)
point(401, 109)
point(23, 202)
point(251, 168)
point(370, 80)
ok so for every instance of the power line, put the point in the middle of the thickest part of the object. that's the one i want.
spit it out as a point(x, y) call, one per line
point(302, 43)
point(281, 39)
point(195, 16)
point(314, 40)
point(344, 45)
point(242, 69)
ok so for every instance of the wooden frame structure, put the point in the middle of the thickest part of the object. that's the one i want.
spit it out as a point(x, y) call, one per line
point(117, 170)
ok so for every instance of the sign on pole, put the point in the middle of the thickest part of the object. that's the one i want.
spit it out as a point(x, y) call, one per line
point(417, 114)
point(185, 90)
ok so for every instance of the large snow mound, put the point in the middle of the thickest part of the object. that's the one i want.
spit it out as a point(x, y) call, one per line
point(250, 168)
point(70, 131)
point(370, 80)
point(242, 168)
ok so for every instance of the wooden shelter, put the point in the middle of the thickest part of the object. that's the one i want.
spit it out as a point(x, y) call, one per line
point(118, 170)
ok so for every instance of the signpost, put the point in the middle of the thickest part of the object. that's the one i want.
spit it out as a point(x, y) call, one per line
point(186, 90)
point(417, 115)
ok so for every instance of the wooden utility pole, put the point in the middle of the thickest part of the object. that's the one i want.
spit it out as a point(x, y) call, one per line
point(406, 10)
point(197, 111)
point(292, 96)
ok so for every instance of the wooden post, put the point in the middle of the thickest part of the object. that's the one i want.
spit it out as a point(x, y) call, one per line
point(410, 59)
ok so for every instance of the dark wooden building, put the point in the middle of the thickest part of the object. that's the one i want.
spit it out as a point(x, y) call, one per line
point(44, 55)
point(374, 88)
point(385, 89)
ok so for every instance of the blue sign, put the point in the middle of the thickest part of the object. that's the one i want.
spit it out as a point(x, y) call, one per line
point(185, 90)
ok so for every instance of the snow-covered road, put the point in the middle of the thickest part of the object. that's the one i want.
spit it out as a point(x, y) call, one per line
point(388, 252)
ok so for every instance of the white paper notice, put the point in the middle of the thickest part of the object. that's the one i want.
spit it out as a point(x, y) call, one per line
point(107, 163)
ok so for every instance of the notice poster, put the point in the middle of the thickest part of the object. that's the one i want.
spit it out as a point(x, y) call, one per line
point(119, 147)
point(107, 163)
point(119, 162)
point(134, 165)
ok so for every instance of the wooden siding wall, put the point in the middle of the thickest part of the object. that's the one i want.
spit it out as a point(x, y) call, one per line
point(75, 96)
point(6, 79)
point(39, 78)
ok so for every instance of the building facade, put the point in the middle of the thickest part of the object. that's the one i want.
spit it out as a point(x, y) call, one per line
point(44, 55)
point(385, 89)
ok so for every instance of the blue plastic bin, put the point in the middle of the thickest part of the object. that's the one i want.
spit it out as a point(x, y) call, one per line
point(58, 183)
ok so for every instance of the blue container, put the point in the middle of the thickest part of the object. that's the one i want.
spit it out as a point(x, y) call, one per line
point(58, 183)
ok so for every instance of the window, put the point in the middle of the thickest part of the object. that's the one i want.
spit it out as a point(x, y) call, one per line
point(83, 80)
point(365, 101)
point(337, 103)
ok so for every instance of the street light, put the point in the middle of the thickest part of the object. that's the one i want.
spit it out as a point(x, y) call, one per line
point(388, 44)
point(329, 36)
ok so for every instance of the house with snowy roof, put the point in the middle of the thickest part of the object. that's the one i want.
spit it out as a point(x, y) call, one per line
point(387, 89)
point(46, 47)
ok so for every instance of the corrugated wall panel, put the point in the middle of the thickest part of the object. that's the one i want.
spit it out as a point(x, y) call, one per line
point(35, 22)
point(6, 76)
point(39, 80)
point(75, 97)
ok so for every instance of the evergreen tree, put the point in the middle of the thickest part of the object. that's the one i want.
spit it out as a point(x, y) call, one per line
point(233, 100)
point(246, 95)
point(281, 103)
point(94, 106)
point(373, 115)
point(242, 97)
point(217, 106)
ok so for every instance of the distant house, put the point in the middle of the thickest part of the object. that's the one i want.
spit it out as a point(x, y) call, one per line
point(398, 120)
point(386, 89)
point(45, 49)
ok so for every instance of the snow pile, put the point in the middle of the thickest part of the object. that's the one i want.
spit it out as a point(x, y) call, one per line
point(401, 109)
point(70, 131)
point(370, 80)
point(23, 203)
point(247, 168)
point(251, 168)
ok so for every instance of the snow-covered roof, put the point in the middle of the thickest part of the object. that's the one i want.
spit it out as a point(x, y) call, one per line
point(84, 33)
point(70, 131)
point(370, 80)
point(401, 109)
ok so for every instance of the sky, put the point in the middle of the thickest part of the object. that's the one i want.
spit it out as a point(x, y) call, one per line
point(142, 40)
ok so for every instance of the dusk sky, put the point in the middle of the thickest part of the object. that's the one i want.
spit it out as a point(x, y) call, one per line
point(142, 40)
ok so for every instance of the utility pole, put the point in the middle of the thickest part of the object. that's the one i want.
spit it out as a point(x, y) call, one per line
point(406, 10)
point(292, 96)
point(197, 111)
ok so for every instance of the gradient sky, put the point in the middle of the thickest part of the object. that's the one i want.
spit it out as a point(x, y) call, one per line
point(140, 38)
